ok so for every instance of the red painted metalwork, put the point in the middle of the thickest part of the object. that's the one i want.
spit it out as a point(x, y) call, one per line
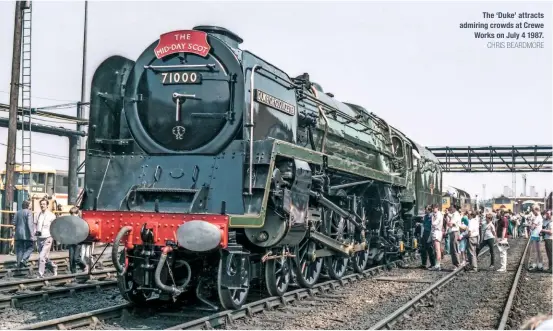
point(105, 225)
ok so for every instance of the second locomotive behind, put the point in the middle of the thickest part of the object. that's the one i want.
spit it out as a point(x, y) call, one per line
point(213, 168)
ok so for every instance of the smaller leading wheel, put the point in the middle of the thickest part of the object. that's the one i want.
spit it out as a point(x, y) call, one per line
point(277, 275)
point(128, 287)
point(235, 266)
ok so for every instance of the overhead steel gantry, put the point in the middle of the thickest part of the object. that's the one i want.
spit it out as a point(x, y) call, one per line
point(47, 129)
point(535, 158)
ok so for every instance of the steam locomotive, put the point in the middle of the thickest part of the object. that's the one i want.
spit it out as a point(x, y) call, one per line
point(214, 169)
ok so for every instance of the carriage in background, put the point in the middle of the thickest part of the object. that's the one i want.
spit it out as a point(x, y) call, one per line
point(45, 182)
point(453, 196)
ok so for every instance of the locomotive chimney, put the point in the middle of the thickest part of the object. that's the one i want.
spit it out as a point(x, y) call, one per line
point(225, 35)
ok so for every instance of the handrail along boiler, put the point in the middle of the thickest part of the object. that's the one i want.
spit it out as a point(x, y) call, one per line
point(214, 169)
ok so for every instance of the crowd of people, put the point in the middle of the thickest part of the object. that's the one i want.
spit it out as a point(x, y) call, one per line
point(464, 234)
point(31, 230)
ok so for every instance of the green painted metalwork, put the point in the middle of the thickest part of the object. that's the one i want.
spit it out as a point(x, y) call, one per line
point(285, 149)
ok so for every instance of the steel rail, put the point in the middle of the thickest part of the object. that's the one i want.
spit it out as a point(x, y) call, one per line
point(432, 289)
point(78, 320)
point(514, 290)
point(11, 264)
point(62, 264)
point(16, 300)
point(22, 284)
point(221, 318)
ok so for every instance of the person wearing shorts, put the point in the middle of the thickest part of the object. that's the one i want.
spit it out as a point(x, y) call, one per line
point(535, 230)
point(437, 225)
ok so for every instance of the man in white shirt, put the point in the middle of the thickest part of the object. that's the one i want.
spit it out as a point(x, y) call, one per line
point(454, 226)
point(474, 233)
point(43, 220)
point(535, 230)
point(437, 225)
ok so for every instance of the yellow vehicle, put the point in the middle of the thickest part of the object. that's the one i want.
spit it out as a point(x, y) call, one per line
point(45, 182)
point(503, 203)
point(457, 197)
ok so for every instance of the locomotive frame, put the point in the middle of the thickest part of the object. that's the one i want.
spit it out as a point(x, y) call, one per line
point(263, 178)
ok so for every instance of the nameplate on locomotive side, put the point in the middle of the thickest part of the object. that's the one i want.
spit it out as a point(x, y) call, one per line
point(275, 103)
point(182, 41)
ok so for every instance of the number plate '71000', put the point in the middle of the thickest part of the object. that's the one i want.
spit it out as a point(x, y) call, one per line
point(178, 77)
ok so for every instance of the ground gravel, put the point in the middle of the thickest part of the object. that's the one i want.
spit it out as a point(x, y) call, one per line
point(534, 296)
point(41, 311)
point(354, 306)
point(471, 300)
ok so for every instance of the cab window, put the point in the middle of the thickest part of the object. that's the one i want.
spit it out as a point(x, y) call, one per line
point(409, 152)
point(38, 179)
point(50, 184)
point(61, 184)
point(398, 147)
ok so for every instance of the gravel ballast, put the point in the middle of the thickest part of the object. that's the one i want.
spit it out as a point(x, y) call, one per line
point(471, 300)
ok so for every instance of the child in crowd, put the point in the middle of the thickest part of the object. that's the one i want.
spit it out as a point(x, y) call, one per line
point(463, 238)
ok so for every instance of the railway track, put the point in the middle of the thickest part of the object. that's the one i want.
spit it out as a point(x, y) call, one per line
point(8, 270)
point(200, 319)
point(480, 309)
point(16, 293)
point(530, 296)
point(505, 317)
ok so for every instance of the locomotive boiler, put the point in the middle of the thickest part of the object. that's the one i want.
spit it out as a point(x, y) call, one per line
point(209, 169)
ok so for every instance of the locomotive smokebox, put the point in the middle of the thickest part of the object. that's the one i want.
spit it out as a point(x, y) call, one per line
point(199, 236)
point(69, 230)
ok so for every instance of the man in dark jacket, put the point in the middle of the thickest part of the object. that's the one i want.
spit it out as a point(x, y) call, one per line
point(24, 234)
point(75, 250)
point(427, 249)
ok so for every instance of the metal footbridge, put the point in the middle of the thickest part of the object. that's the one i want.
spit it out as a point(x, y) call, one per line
point(536, 158)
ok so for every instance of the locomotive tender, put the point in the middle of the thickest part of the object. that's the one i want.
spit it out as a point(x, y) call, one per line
point(213, 168)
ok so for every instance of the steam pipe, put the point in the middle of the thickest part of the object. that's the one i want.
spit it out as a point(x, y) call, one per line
point(114, 251)
point(250, 124)
point(174, 290)
point(321, 110)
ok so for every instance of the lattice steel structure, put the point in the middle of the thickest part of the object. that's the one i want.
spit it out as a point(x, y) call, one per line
point(535, 158)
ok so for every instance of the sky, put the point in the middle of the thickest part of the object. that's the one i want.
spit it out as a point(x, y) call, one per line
point(408, 62)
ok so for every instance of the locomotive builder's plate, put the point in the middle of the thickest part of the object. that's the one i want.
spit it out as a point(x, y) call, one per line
point(180, 77)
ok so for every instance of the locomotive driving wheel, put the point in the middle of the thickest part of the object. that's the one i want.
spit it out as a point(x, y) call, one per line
point(361, 258)
point(337, 228)
point(307, 266)
point(236, 267)
point(277, 275)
